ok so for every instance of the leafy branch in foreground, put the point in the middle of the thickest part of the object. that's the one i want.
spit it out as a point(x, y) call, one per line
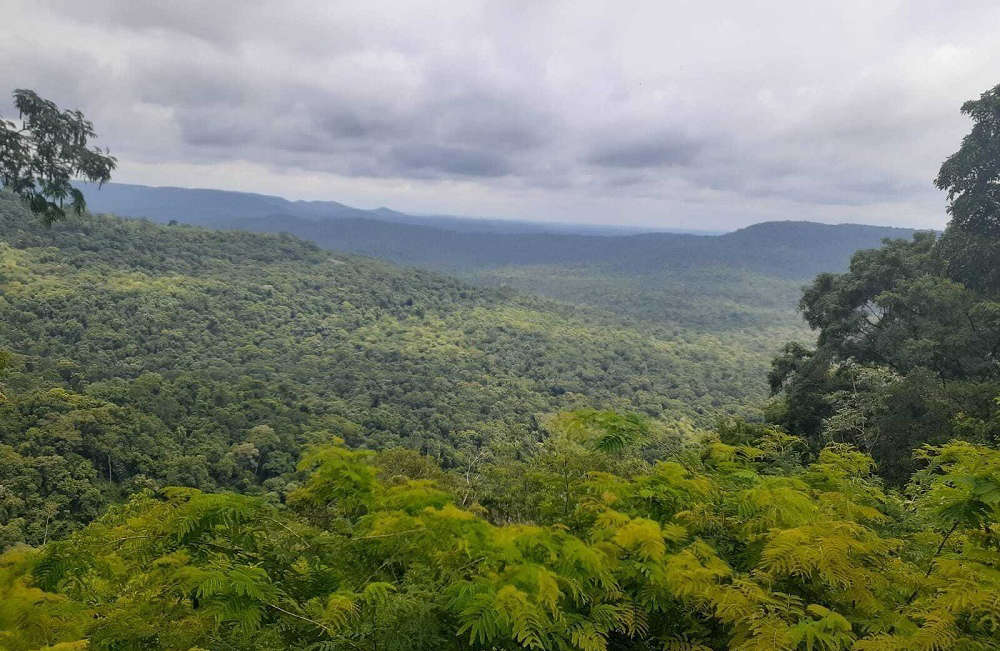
point(44, 152)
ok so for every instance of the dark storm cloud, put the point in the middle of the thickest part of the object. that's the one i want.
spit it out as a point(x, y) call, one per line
point(490, 121)
point(832, 109)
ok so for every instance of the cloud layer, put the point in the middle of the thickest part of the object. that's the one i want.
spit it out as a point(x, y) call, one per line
point(671, 114)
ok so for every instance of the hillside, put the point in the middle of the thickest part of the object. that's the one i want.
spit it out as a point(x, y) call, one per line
point(147, 353)
point(748, 281)
point(796, 250)
point(743, 281)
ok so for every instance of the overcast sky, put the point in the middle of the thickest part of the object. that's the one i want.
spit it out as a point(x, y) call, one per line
point(694, 114)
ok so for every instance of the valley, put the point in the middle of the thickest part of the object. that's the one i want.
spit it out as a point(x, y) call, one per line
point(184, 341)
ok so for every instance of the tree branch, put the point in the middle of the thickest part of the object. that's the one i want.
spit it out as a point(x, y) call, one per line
point(934, 558)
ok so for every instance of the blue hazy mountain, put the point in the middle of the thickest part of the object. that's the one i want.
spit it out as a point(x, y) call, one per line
point(206, 207)
point(794, 250)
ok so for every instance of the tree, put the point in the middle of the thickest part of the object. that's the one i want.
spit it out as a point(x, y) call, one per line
point(918, 322)
point(6, 362)
point(39, 157)
point(971, 176)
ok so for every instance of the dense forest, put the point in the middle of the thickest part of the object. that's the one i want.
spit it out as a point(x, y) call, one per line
point(208, 358)
point(746, 281)
point(227, 440)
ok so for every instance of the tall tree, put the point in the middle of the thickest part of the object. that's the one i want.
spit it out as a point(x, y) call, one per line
point(924, 313)
point(47, 149)
point(971, 176)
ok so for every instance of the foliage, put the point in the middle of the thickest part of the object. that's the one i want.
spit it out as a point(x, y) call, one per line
point(178, 344)
point(909, 337)
point(728, 548)
point(970, 175)
point(41, 155)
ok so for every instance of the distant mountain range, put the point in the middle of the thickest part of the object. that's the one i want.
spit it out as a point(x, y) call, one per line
point(206, 207)
point(794, 250)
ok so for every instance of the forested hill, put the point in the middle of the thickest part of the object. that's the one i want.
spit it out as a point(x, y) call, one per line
point(747, 281)
point(152, 354)
point(148, 354)
point(797, 250)
point(745, 284)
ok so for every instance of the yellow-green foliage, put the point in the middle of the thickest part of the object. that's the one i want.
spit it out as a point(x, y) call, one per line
point(727, 550)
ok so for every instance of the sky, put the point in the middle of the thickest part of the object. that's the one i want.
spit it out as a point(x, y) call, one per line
point(670, 114)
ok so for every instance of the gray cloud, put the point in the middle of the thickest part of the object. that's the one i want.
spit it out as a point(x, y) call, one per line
point(429, 157)
point(670, 150)
point(710, 115)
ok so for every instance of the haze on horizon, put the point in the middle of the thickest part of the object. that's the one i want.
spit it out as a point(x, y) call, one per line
point(671, 115)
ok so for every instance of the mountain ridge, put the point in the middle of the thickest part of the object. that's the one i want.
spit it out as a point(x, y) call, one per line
point(787, 249)
point(207, 206)
point(797, 250)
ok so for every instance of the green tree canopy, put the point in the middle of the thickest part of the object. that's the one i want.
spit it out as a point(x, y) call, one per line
point(48, 149)
point(971, 176)
point(738, 546)
point(908, 351)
